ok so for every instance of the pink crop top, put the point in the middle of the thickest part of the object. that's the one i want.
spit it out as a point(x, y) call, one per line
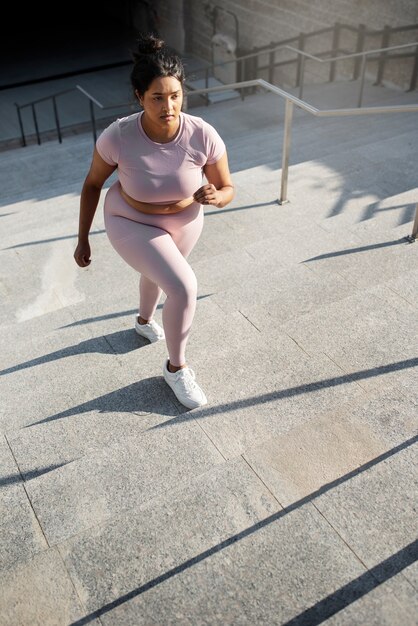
point(160, 172)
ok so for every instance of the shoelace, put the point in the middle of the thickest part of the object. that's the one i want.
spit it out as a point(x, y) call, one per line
point(187, 377)
point(154, 327)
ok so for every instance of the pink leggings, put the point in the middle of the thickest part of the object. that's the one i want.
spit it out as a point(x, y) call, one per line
point(157, 246)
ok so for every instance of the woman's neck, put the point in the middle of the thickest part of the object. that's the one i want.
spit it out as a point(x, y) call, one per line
point(158, 134)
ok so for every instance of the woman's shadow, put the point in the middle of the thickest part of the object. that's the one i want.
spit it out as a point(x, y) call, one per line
point(146, 396)
point(120, 342)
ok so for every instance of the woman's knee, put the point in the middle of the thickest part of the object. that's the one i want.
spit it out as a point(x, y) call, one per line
point(184, 287)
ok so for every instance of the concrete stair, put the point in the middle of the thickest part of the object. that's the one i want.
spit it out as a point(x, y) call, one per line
point(216, 96)
point(111, 87)
point(290, 497)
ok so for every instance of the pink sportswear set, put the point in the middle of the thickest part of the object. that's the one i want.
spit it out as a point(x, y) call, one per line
point(157, 245)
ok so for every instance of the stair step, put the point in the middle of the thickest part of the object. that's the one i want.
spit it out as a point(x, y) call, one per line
point(214, 97)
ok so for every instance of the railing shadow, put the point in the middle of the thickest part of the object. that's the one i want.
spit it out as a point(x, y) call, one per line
point(102, 318)
point(52, 240)
point(144, 397)
point(141, 397)
point(111, 316)
point(326, 607)
point(375, 246)
point(15, 479)
point(257, 205)
point(292, 392)
point(121, 342)
point(357, 588)
point(352, 180)
point(406, 211)
point(19, 184)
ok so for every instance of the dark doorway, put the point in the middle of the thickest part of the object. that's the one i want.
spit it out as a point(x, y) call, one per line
point(48, 41)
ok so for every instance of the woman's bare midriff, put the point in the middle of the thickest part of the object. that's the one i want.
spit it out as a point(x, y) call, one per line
point(157, 209)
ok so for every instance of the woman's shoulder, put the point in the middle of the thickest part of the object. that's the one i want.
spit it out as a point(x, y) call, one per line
point(115, 128)
point(127, 121)
point(113, 137)
point(202, 137)
point(195, 123)
point(198, 127)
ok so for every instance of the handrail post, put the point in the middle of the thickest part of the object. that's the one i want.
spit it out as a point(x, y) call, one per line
point(359, 48)
point(22, 132)
point(335, 48)
point(57, 122)
point(286, 151)
point(207, 85)
point(362, 76)
point(272, 58)
point(414, 76)
point(411, 238)
point(93, 120)
point(302, 75)
point(35, 121)
point(239, 75)
point(301, 46)
point(253, 70)
point(383, 55)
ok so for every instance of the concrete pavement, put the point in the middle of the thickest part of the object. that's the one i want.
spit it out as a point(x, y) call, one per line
point(291, 498)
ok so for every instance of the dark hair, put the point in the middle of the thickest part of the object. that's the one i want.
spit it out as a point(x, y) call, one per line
point(153, 60)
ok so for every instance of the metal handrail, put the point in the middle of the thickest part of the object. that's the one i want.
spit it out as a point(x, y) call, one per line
point(292, 101)
point(306, 54)
point(289, 40)
point(363, 54)
point(352, 54)
point(92, 101)
point(56, 94)
point(259, 82)
point(301, 53)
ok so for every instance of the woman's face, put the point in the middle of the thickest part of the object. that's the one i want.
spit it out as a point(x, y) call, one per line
point(162, 101)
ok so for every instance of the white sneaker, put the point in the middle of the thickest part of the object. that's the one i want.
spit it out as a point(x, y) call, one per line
point(151, 331)
point(185, 387)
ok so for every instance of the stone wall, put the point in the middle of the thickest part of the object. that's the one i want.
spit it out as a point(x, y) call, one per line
point(264, 21)
point(171, 22)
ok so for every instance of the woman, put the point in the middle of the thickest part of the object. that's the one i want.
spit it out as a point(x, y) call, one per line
point(153, 213)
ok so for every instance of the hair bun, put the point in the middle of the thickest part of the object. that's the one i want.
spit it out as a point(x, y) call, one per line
point(147, 44)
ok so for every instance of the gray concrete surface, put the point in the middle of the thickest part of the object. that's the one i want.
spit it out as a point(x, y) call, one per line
point(291, 497)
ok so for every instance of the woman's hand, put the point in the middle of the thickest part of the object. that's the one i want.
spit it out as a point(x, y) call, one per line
point(82, 254)
point(220, 190)
point(208, 194)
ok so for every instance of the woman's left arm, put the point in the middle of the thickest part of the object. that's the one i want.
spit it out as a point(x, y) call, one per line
point(219, 191)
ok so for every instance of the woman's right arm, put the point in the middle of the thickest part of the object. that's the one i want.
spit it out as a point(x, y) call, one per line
point(90, 194)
